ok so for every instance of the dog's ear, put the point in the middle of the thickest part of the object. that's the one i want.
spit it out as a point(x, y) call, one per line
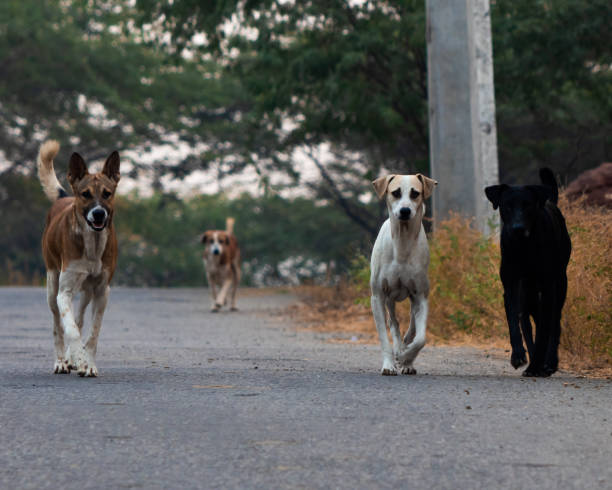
point(494, 193)
point(203, 238)
point(381, 184)
point(542, 193)
point(111, 167)
point(428, 185)
point(77, 169)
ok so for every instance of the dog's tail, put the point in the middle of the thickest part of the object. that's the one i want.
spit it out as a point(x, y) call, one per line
point(229, 225)
point(46, 173)
point(548, 179)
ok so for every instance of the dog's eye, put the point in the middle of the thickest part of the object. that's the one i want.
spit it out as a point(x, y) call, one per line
point(106, 194)
point(397, 193)
point(414, 194)
point(86, 195)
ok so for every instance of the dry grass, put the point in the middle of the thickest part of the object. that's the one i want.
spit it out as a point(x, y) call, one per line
point(587, 316)
point(466, 305)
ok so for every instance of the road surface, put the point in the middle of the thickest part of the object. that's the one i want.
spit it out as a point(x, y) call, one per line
point(191, 399)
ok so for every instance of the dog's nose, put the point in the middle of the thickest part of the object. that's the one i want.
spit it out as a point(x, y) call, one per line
point(216, 251)
point(404, 213)
point(98, 215)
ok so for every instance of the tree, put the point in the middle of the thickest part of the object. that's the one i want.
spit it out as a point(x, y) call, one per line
point(78, 71)
point(353, 74)
point(553, 82)
point(349, 74)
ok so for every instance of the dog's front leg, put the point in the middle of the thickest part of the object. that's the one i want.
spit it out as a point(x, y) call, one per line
point(378, 310)
point(86, 295)
point(99, 305)
point(419, 307)
point(69, 282)
point(61, 364)
point(213, 291)
point(394, 327)
point(223, 293)
point(512, 304)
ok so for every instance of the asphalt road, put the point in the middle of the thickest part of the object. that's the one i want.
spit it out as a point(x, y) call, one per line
point(191, 399)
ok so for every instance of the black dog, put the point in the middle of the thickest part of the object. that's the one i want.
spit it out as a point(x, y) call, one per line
point(535, 251)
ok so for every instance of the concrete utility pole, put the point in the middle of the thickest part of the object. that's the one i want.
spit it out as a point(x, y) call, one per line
point(462, 131)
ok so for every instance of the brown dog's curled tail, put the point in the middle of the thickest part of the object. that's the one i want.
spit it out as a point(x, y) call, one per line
point(229, 225)
point(46, 173)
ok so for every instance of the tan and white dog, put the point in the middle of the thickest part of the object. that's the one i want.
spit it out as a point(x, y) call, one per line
point(400, 259)
point(222, 262)
point(80, 251)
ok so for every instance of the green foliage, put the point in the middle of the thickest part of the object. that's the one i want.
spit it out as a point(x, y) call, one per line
point(553, 84)
point(23, 207)
point(354, 73)
point(280, 239)
point(75, 71)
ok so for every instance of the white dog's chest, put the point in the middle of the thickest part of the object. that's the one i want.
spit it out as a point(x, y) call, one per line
point(399, 282)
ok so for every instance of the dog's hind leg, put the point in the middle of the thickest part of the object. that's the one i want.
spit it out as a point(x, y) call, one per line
point(378, 310)
point(551, 363)
point(86, 295)
point(420, 307)
point(525, 322)
point(527, 330)
point(408, 338)
point(91, 346)
point(61, 364)
point(411, 332)
point(544, 324)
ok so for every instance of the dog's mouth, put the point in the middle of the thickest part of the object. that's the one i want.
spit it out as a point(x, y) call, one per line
point(97, 226)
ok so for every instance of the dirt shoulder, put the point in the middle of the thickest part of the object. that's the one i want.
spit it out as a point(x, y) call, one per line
point(332, 311)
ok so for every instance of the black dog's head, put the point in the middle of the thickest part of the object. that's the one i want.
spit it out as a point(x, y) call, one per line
point(518, 206)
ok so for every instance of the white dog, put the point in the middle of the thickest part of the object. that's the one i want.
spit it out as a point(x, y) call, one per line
point(399, 268)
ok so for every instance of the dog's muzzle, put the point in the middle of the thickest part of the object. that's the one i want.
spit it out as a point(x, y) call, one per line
point(97, 217)
point(216, 251)
point(405, 213)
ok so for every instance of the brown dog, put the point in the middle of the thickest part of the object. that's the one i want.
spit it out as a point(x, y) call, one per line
point(80, 252)
point(222, 262)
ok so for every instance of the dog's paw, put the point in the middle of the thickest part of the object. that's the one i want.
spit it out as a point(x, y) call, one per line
point(518, 359)
point(536, 372)
point(233, 308)
point(91, 371)
point(61, 366)
point(77, 358)
point(407, 370)
point(388, 372)
point(214, 309)
point(388, 369)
